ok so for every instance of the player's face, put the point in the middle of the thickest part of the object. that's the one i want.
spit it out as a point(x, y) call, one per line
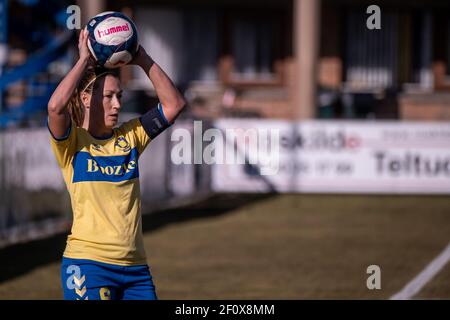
point(112, 95)
point(106, 102)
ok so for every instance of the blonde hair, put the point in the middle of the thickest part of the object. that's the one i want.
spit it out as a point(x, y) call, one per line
point(86, 84)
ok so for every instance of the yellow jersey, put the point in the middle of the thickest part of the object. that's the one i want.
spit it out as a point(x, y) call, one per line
point(102, 177)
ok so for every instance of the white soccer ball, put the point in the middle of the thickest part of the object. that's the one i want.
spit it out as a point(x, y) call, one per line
point(113, 39)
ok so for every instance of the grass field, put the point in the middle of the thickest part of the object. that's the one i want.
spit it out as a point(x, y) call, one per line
point(270, 247)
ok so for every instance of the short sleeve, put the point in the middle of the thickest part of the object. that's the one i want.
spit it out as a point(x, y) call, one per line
point(64, 148)
point(134, 127)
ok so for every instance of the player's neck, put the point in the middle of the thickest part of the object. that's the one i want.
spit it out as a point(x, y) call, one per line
point(96, 130)
point(100, 134)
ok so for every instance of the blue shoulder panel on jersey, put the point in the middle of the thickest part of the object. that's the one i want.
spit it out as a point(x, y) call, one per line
point(66, 135)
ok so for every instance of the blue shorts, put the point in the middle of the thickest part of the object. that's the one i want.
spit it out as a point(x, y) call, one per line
point(91, 280)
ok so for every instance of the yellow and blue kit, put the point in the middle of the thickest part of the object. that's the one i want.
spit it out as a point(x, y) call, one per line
point(102, 177)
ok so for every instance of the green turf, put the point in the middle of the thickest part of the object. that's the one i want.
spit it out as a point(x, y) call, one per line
point(286, 247)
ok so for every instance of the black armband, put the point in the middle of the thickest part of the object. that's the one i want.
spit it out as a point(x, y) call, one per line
point(154, 122)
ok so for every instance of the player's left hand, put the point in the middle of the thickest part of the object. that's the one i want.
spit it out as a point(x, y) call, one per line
point(141, 58)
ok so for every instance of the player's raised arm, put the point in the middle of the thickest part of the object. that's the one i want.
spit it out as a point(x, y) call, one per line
point(168, 95)
point(58, 114)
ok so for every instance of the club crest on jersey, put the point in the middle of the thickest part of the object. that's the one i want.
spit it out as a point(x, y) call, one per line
point(123, 144)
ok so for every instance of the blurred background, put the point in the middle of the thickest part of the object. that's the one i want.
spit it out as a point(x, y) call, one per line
point(363, 166)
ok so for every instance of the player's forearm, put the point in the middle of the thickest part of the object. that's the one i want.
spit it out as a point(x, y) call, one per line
point(169, 96)
point(61, 95)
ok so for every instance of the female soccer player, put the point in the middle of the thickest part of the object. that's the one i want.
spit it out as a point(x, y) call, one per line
point(104, 256)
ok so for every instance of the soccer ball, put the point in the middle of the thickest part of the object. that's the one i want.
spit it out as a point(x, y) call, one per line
point(113, 39)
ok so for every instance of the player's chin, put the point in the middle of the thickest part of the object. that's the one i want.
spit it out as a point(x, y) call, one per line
point(111, 122)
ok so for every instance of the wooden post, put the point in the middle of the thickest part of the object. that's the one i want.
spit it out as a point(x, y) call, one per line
point(306, 48)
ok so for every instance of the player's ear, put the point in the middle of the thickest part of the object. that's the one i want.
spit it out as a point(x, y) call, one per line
point(86, 99)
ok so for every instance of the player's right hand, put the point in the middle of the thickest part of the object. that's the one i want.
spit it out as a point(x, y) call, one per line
point(83, 46)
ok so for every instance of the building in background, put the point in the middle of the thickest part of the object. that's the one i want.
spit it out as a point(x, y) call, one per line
point(241, 58)
point(274, 59)
point(36, 51)
point(281, 59)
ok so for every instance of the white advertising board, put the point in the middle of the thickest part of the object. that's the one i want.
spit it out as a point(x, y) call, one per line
point(341, 156)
